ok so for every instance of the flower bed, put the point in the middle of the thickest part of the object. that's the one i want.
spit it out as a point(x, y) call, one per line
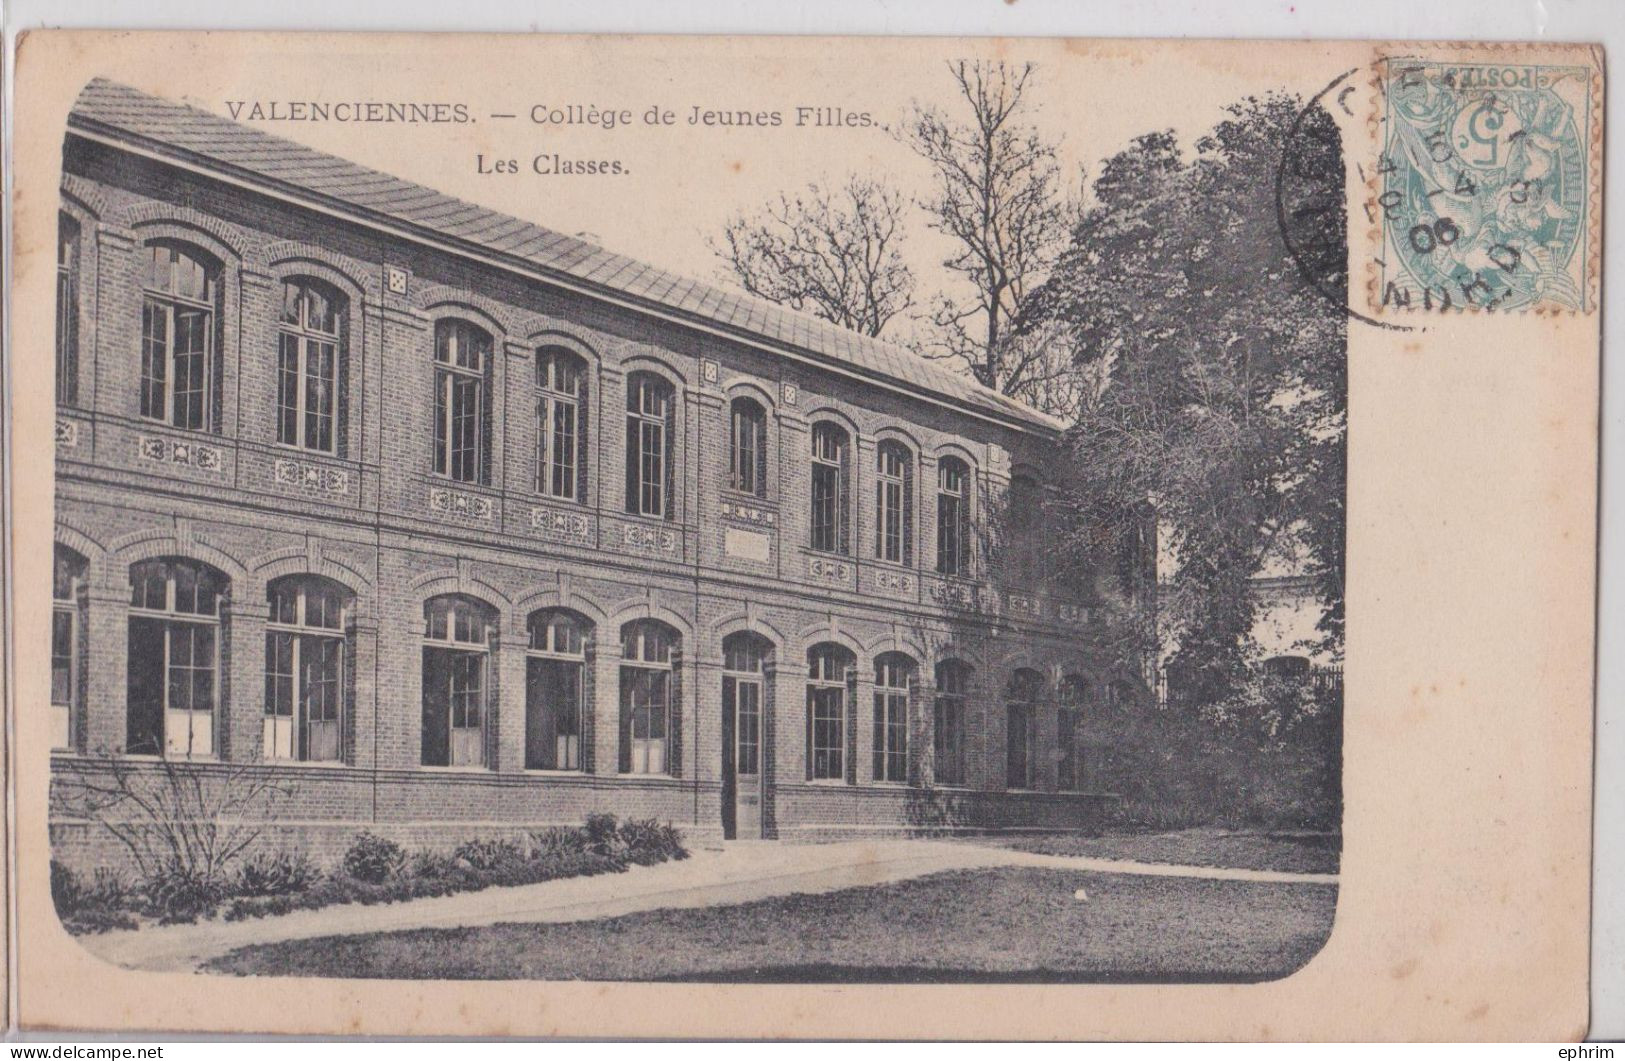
point(373, 870)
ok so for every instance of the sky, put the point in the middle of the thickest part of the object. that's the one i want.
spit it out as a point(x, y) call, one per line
point(681, 182)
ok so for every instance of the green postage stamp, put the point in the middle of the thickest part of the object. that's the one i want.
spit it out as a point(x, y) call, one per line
point(1488, 187)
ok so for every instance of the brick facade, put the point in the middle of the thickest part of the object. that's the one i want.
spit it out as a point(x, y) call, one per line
point(375, 519)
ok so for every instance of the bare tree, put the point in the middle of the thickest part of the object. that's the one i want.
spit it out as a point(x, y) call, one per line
point(833, 253)
point(999, 196)
point(169, 817)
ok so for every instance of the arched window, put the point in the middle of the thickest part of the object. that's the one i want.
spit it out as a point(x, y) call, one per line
point(894, 503)
point(648, 651)
point(1023, 525)
point(555, 689)
point(457, 635)
point(309, 359)
point(894, 679)
point(650, 425)
point(176, 611)
point(829, 670)
point(747, 447)
point(1068, 720)
point(67, 625)
point(953, 516)
point(831, 456)
point(1020, 735)
point(462, 354)
point(561, 424)
point(305, 650)
point(178, 319)
point(67, 310)
point(744, 656)
point(953, 687)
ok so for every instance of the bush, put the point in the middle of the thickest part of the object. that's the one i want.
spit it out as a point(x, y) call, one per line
point(373, 859)
point(179, 895)
point(96, 919)
point(274, 874)
point(648, 842)
point(488, 854)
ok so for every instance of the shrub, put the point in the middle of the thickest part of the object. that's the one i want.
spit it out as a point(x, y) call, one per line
point(373, 859)
point(601, 829)
point(97, 905)
point(275, 873)
point(67, 891)
point(177, 894)
point(488, 854)
point(96, 919)
point(648, 842)
point(557, 843)
point(430, 865)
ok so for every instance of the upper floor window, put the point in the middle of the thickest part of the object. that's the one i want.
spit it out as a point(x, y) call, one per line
point(953, 516)
point(561, 424)
point(647, 653)
point(67, 624)
point(176, 612)
point(894, 677)
point(1024, 523)
point(67, 310)
point(462, 354)
point(829, 667)
point(457, 636)
point(308, 366)
point(305, 648)
point(894, 503)
point(747, 447)
point(831, 453)
point(179, 307)
point(555, 673)
point(650, 412)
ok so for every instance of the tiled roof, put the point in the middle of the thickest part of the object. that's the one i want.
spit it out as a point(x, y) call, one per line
point(304, 171)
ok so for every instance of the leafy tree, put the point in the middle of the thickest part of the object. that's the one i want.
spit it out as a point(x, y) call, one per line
point(1214, 385)
point(833, 253)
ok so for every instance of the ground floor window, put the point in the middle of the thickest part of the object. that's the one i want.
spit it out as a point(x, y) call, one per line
point(1021, 709)
point(1068, 716)
point(555, 665)
point(828, 670)
point(304, 669)
point(176, 611)
point(67, 604)
point(456, 658)
point(948, 723)
point(648, 649)
point(894, 674)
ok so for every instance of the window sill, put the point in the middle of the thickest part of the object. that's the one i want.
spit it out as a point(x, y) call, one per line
point(304, 451)
point(829, 782)
point(481, 770)
point(191, 432)
point(307, 764)
point(542, 771)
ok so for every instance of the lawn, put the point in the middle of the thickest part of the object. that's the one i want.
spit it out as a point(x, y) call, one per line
point(1283, 852)
point(1006, 924)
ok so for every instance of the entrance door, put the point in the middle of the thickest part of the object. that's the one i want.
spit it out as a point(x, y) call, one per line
point(741, 756)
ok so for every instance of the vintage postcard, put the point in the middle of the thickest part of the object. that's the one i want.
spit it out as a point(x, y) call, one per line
point(772, 537)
